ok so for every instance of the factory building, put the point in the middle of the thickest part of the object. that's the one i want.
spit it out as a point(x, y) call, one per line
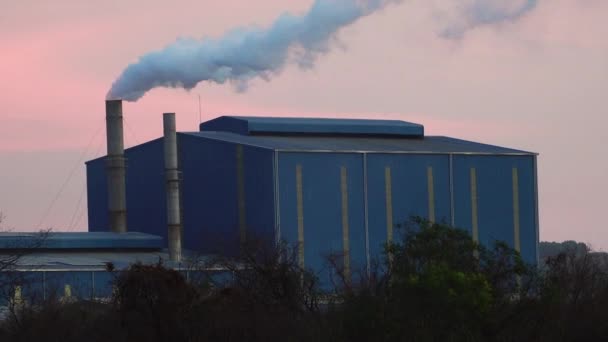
point(70, 265)
point(324, 186)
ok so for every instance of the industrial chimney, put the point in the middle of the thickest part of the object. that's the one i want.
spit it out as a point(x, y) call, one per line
point(115, 166)
point(174, 225)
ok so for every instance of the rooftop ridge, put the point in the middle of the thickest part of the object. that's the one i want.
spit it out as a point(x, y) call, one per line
point(260, 125)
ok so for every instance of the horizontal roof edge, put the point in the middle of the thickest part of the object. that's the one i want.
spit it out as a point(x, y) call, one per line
point(312, 126)
point(79, 240)
point(426, 145)
point(127, 150)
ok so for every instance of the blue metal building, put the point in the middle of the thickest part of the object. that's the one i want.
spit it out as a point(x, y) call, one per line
point(325, 185)
point(75, 264)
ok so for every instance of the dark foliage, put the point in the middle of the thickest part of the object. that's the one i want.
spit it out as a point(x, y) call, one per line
point(436, 284)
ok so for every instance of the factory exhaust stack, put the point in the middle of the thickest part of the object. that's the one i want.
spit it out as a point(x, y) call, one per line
point(115, 164)
point(174, 224)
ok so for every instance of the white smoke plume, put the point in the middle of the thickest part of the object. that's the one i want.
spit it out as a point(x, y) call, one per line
point(469, 14)
point(245, 53)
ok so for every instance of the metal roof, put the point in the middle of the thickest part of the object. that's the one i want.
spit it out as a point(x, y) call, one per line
point(428, 144)
point(80, 240)
point(312, 126)
point(97, 261)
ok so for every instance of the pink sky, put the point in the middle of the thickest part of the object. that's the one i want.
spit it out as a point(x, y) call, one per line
point(538, 84)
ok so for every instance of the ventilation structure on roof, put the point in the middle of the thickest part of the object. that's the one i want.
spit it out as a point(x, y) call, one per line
point(309, 126)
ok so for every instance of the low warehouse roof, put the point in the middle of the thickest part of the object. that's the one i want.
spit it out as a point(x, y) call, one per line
point(79, 241)
point(428, 144)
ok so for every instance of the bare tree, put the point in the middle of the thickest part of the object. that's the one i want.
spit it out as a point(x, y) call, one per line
point(13, 249)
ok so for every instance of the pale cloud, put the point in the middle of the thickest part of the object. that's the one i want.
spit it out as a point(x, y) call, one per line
point(456, 17)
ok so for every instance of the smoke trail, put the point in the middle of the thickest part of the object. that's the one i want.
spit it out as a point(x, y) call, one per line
point(475, 13)
point(245, 53)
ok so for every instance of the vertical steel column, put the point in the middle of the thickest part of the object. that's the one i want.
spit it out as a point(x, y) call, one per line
point(44, 285)
point(388, 200)
point(345, 227)
point(536, 212)
point(115, 168)
point(475, 228)
point(174, 222)
point(240, 185)
point(300, 208)
point(388, 191)
point(277, 199)
point(93, 285)
point(452, 213)
point(431, 191)
point(516, 239)
point(365, 202)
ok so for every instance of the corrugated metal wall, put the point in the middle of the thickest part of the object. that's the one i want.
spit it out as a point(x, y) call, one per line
point(322, 211)
point(326, 203)
point(493, 197)
point(145, 187)
point(227, 193)
point(502, 188)
point(38, 285)
point(404, 185)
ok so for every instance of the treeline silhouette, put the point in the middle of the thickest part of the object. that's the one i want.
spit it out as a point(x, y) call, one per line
point(434, 284)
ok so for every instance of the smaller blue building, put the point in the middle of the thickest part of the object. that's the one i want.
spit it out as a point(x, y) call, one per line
point(326, 186)
point(79, 264)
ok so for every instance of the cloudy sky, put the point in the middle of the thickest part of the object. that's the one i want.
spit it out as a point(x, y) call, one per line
point(534, 79)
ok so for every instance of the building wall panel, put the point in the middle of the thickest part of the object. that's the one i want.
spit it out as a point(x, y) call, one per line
point(219, 201)
point(146, 197)
point(494, 185)
point(398, 188)
point(209, 193)
point(259, 186)
point(80, 284)
point(322, 208)
point(97, 196)
point(145, 190)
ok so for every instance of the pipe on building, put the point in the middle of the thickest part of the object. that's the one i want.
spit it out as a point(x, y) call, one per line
point(115, 166)
point(174, 224)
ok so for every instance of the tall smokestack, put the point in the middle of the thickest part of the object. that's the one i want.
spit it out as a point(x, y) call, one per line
point(115, 165)
point(174, 222)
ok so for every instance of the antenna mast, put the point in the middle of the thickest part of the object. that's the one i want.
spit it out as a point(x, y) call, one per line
point(200, 116)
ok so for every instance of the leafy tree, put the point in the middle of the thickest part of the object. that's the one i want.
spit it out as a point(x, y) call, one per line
point(153, 303)
point(436, 284)
point(441, 285)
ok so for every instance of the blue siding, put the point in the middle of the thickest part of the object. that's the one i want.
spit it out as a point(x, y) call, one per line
point(210, 194)
point(32, 288)
point(145, 188)
point(80, 282)
point(209, 190)
point(495, 199)
point(410, 196)
point(79, 240)
point(357, 144)
point(259, 192)
point(322, 203)
point(97, 195)
point(146, 196)
point(266, 125)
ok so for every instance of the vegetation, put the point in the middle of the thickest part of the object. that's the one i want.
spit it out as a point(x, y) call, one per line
point(436, 284)
point(12, 254)
point(553, 249)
